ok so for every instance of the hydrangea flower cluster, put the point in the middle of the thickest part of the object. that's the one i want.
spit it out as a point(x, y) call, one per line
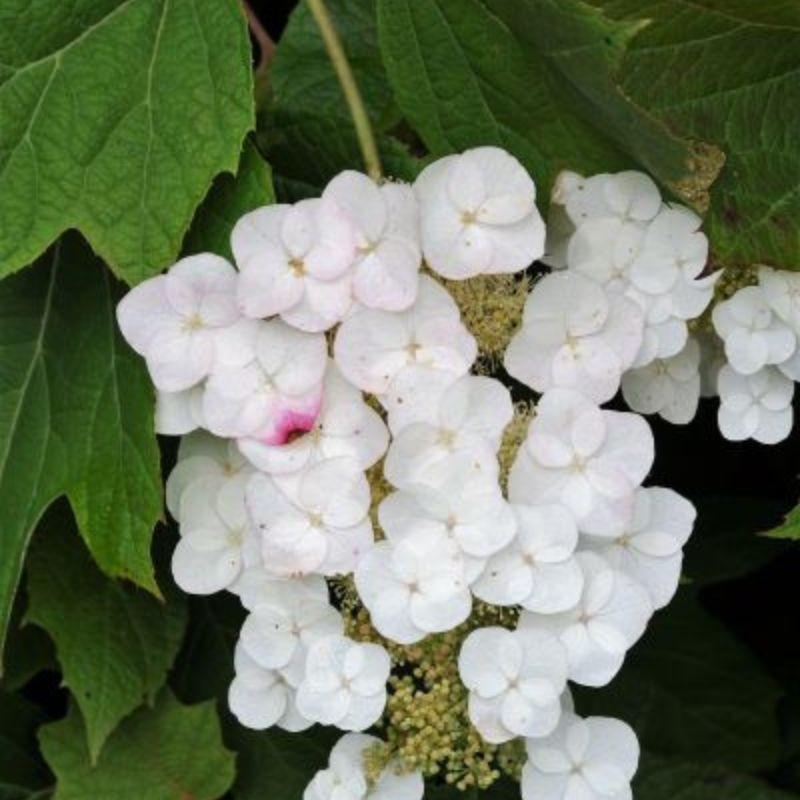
point(415, 553)
point(759, 326)
point(616, 231)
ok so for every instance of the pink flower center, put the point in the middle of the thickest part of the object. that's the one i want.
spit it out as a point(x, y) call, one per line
point(291, 425)
point(290, 422)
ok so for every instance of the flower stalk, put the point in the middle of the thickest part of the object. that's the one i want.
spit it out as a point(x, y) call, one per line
point(355, 103)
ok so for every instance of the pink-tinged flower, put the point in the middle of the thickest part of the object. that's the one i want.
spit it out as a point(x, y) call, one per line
point(278, 391)
point(345, 426)
point(291, 423)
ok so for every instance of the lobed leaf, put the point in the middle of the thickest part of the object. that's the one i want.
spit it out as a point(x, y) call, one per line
point(729, 74)
point(308, 134)
point(536, 77)
point(168, 752)
point(76, 418)
point(231, 197)
point(691, 690)
point(667, 779)
point(116, 116)
point(114, 642)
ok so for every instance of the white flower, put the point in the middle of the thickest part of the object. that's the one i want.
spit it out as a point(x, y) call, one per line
point(293, 261)
point(753, 335)
point(650, 549)
point(260, 698)
point(279, 630)
point(575, 336)
point(185, 323)
point(201, 455)
point(179, 413)
point(346, 426)
point(515, 680)
point(583, 759)
point(276, 394)
point(757, 406)
point(604, 249)
point(668, 387)
point(478, 214)
point(258, 586)
point(386, 226)
point(413, 587)
point(586, 458)
point(467, 407)
point(462, 505)
point(216, 542)
point(415, 395)
point(782, 290)
point(372, 346)
point(671, 258)
point(537, 569)
point(344, 778)
point(344, 683)
point(319, 524)
point(660, 339)
point(626, 196)
point(609, 618)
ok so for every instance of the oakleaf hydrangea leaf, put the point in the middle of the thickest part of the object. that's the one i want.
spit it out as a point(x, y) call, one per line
point(310, 136)
point(278, 765)
point(116, 116)
point(535, 77)
point(666, 779)
point(231, 197)
point(168, 752)
point(114, 642)
point(738, 64)
point(692, 691)
point(789, 528)
point(76, 418)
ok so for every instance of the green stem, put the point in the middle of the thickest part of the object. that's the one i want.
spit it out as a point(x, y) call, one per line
point(366, 138)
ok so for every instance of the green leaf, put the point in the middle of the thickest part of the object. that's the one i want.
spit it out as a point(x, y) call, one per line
point(308, 151)
point(22, 772)
point(533, 76)
point(724, 544)
point(114, 642)
point(691, 690)
point(76, 418)
point(302, 77)
point(278, 765)
point(29, 650)
point(230, 198)
point(169, 752)
point(204, 667)
point(116, 116)
point(667, 779)
point(789, 528)
point(727, 73)
point(309, 135)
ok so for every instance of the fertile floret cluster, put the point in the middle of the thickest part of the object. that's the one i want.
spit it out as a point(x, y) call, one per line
point(416, 554)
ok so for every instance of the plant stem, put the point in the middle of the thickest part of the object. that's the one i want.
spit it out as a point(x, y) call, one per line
point(366, 138)
point(264, 40)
